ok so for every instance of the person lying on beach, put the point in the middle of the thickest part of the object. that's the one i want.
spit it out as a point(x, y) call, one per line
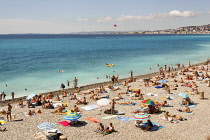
point(124, 83)
point(114, 89)
point(118, 97)
point(60, 109)
point(138, 98)
point(95, 97)
point(106, 130)
point(2, 129)
point(125, 103)
point(77, 90)
point(187, 109)
point(81, 101)
point(38, 111)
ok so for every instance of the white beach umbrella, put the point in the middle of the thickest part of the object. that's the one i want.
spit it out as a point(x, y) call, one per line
point(103, 102)
point(46, 126)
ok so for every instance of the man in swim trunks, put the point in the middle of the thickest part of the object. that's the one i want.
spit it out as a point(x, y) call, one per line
point(9, 116)
point(112, 103)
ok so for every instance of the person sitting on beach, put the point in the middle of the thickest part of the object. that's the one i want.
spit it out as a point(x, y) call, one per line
point(20, 102)
point(57, 98)
point(150, 126)
point(2, 111)
point(100, 128)
point(187, 109)
point(77, 90)
point(124, 83)
point(81, 101)
point(60, 109)
point(50, 95)
point(168, 117)
point(181, 81)
point(118, 97)
point(138, 123)
point(49, 105)
point(76, 109)
point(138, 98)
point(30, 105)
point(74, 97)
point(64, 94)
point(168, 91)
point(38, 111)
point(106, 130)
point(111, 128)
point(29, 113)
point(125, 103)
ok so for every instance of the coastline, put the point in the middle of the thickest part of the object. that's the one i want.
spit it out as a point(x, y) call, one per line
point(95, 85)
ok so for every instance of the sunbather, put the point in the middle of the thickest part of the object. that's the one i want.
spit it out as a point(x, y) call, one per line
point(76, 109)
point(150, 126)
point(3, 129)
point(57, 98)
point(111, 128)
point(100, 128)
point(137, 123)
point(138, 98)
point(125, 103)
point(81, 101)
point(119, 97)
point(187, 109)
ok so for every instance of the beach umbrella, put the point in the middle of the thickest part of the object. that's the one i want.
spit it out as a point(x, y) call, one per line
point(184, 95)
point(149, 101)
point(31, 96)
point(72, 116)
point(162, 81)
point(103, 102)
point(141, 116)
point(46, 126)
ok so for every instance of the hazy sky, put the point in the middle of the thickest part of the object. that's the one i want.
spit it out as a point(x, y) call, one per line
point(66, 16)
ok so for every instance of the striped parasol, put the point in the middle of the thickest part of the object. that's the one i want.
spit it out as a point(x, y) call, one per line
point(149, 101)
point(72, 116)
point(142, 116)
point(46, 126)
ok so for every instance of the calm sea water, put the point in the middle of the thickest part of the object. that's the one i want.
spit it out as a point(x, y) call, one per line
point(33, 61)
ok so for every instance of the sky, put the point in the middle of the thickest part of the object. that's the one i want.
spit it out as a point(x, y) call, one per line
point(68, 16)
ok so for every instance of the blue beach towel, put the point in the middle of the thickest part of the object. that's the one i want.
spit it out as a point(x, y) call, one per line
point(158, 87)
point(123, 118)
point(155, 128)
point(191, 106)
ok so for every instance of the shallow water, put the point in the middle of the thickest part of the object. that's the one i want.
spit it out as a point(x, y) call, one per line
point(33, 61)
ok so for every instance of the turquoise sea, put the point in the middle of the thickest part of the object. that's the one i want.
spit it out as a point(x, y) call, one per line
point(33, 61)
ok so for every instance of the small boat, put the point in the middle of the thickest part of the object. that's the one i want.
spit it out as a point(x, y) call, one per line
point(109, 65)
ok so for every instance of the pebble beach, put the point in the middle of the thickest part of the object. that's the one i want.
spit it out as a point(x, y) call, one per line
point(196, 127)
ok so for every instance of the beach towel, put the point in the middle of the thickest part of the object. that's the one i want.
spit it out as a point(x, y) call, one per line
point(54, 131)
point(158, 87)
point(92, 119)
point(155, 128)
point(151, 94)
point(25, 113)
point(119, 113)
point(128, 104)
point(94, 106)
point(65, 123)
point(87, 108)
point(109, 117)
point(64, 112)
point(191, 106)
point(123, 118)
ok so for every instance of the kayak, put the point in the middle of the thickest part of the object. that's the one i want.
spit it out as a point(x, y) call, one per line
point(109, 65)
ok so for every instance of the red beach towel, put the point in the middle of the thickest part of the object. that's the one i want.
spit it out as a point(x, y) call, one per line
point(92, 119)
point(65, 123)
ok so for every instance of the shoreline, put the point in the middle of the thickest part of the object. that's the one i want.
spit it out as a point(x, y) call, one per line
point(95, 85)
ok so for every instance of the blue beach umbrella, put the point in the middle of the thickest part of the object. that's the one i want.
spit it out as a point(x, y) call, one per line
point(72, 116)
point(184, 95)
point(31, 96)
point(46, 126)
point(162, 81)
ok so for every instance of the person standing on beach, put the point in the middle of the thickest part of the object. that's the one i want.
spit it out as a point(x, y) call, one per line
point(165, 66)
point(68, 82)
point(160, 70)
point(112, 103)
point(75, 82)
point(62, 86)
point(9, 116)
point(13, 95)
point(116, 78)
point(131, 72)
point(3, 95)
point(113, 79)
